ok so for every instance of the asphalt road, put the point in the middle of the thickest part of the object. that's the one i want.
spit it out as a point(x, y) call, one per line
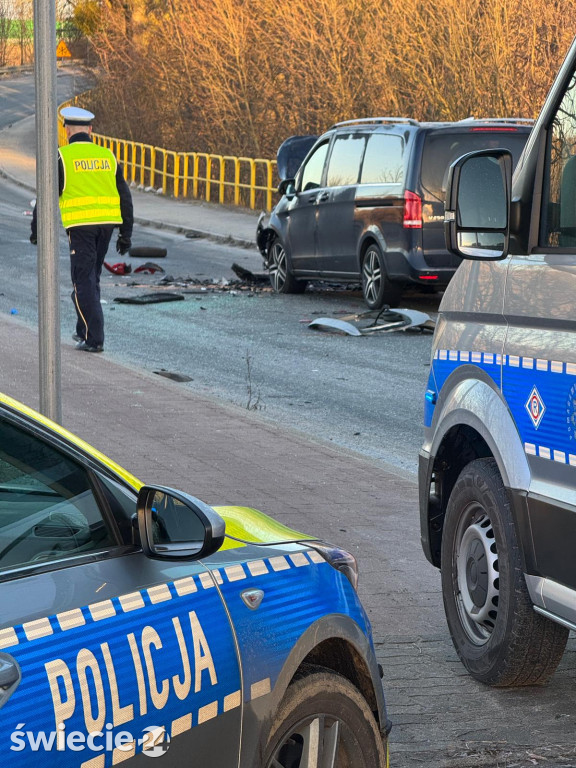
point(361, 393)
point(365, 394)
point(17, 96)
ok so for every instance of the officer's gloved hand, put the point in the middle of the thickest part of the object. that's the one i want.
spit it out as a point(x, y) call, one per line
point(34, 239)
point(123, 244)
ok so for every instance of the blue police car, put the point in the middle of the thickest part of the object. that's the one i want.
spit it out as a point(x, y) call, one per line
point(137, 621)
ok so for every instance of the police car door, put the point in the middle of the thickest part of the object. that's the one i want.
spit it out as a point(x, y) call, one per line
point(103, 652)
point(539, 375)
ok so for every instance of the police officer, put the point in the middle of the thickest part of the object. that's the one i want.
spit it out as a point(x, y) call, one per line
point(94, 198)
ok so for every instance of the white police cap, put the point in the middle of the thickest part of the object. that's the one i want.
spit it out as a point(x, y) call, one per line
point(76, 116)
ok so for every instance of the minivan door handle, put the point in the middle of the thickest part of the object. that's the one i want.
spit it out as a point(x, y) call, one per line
point(323, 197)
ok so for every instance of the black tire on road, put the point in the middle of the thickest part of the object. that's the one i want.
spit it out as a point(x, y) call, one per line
point(281, 278)
point(376, 286)
point(324, 721)
point(499, 637)
point(147, 252)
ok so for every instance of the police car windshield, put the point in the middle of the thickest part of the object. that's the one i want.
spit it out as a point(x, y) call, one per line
point(441, 149)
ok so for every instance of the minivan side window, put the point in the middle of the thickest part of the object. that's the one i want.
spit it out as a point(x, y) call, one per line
point(384, 160)
point(311, 174)
point(559, 206)
point(345, 159)
point(48, 510)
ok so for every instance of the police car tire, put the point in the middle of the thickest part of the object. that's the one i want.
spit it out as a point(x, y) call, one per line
point(279, 271)
point(523, 648)
point(321, 693)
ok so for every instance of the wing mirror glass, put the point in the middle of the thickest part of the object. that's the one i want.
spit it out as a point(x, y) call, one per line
point(175, 525)
point(287, 187)
point(477, 217)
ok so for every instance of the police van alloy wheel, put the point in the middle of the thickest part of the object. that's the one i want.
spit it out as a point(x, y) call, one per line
point(323, 721)
point(281, 277)
point(499, 637)
point(376, 286)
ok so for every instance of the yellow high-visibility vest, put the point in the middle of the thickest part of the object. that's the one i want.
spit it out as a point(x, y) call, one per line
point(90, 195)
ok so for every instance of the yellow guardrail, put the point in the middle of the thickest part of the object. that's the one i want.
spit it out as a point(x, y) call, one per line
point(242, 181)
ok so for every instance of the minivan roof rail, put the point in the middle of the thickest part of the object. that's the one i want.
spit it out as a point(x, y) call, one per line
point(520, 120)
point(367, 120)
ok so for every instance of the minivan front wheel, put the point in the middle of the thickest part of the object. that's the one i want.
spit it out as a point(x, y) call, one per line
point(497, 634)
point(281, 278)
point(376, 286)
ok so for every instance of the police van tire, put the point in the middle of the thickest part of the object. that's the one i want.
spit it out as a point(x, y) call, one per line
point(316, 700)
point(377, 288)
point(497, 634)
point(281, 278)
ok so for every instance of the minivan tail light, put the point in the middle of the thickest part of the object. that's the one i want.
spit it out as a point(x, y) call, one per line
point(412, 210)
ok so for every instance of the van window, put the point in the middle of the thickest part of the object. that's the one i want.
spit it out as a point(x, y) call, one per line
point(559, 209)
point(311, 174)
point(442, 149)
point(384, 160)
point(344, 163)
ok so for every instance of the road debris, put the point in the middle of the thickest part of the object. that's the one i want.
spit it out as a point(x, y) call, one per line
point(334, 325)
point(150, 298)
point(118, 269)
point(181, 377)
point(147, 252)
point(247, 276)
point(382, 321)
point(149, 268)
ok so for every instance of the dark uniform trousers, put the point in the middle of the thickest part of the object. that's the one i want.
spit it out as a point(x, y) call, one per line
point(88, 246)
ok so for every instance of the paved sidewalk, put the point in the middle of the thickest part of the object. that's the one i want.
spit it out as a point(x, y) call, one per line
point(219, 222)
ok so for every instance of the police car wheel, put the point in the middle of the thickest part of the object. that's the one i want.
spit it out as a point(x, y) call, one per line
point(377, 289)
point(324, 722)
point(281, 278)
point(499, 637)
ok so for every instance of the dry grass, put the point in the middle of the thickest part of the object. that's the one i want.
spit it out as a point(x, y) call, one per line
point(238, 76)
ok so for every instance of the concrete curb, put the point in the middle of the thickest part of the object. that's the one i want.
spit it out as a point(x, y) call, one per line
point(196, 233)
point(18, 182)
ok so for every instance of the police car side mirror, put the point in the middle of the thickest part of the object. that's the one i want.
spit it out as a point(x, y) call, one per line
point(477, 213)
point(176, 526)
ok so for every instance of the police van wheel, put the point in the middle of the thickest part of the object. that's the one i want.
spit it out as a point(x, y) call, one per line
point(281, 278)
point(377, 289)
point(324, 721)
point(499, 637)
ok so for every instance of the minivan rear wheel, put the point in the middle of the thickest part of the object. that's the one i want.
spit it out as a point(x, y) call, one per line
point(281, 278)
point(376, 286)
point(497, 634)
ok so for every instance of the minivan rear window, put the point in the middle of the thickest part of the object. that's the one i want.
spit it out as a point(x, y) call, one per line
point(383, 160)
point(441, 149)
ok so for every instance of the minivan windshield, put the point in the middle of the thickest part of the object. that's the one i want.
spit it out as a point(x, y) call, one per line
point(442, 148)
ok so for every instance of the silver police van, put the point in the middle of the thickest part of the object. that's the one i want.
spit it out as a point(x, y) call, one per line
point(498, 465)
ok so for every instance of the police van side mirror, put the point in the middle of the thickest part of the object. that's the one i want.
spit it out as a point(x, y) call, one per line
point(176, 526)
point(477, 213)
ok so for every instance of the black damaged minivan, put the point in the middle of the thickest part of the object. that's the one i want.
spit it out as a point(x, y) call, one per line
point(364, 202)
